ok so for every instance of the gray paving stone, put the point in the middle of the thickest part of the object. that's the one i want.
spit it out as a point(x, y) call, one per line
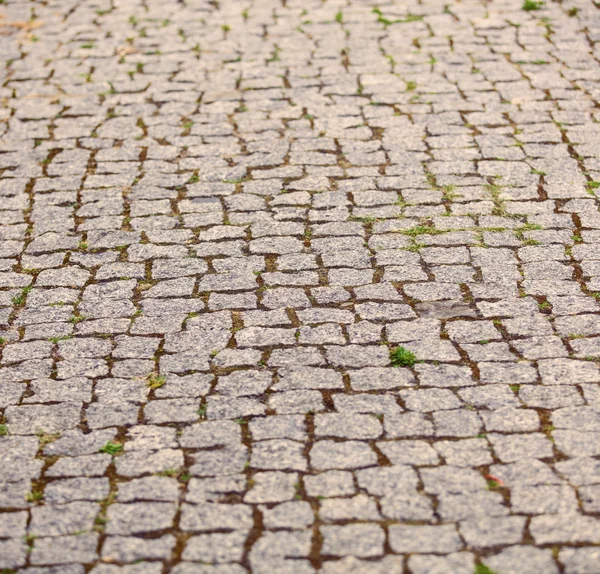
point(327, 454)
point(131, 549)
point(424, 539)
point(353, 539)
point(218, 224)
point(582, 560)
point(139, 517)
point(65, 549)
point(522, 559)
point(62, 519)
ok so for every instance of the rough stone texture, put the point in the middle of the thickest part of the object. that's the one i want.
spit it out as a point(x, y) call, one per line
point(218, 221)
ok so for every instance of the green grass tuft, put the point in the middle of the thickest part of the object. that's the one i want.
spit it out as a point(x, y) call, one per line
point(112, 448)
point(155, 381)
point(483, 569)
point(401, 357)
point(530, 6)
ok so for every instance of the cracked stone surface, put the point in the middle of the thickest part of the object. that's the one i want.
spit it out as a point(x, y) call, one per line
point(297, 286)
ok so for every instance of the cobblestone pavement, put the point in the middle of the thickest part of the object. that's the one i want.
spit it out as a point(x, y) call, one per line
point(292, 286)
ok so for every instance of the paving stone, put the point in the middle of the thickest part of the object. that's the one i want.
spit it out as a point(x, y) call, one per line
point(515, 447)
point(131, 549)
point(215, 517)
point(219, 223)
point(582, 560)
point(457, 562)
point(329, 484)
point(454, 506)
point(490, 531)
point(327, 454)
point(272, 487)
point(424, 539)
point(65, 549)
point(278, 454)
point(58, 520)
point(347, 426)
point(541, 499)
point(523, 559)
point(139, 517)
point(216, 547)
point(14, 553)
point(391, 564)
point(296, 515)
point(353, 539)
point(565, 528)
point(159, 488)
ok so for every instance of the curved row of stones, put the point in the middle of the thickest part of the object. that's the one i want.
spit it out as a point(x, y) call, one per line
point(291, 286)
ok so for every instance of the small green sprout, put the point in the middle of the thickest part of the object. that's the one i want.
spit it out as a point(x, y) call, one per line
point(401, 357)
point(531, 5)
point(156, 381)
point(111, 448)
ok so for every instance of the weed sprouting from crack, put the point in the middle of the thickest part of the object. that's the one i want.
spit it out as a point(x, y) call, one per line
point(401, 357)
point(155, 381)
point(111, 448)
